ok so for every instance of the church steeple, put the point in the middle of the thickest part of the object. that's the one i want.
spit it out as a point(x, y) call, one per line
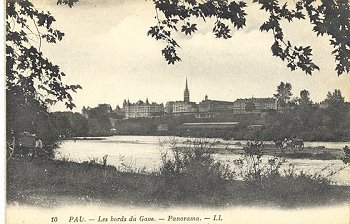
point(186, 94)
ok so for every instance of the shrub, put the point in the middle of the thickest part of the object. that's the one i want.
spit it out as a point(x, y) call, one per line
point(251, 167)
point(266, 182)
point(191, 173)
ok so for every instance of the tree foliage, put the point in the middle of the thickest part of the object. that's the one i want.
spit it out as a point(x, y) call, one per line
point(304, 97)
point(28, 116)
point(26, 66)
point(328, 17)
point(250, 106)
point(69, 124)
point(283, 95)
point(336, 108)
point(328, 121)
point(32, 81)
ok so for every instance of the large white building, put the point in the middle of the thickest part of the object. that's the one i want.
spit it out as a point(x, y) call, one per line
point(182, 107)
point(261, 104)
point(142, 109)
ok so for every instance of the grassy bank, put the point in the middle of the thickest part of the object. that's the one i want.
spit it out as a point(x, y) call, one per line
point(50, 183)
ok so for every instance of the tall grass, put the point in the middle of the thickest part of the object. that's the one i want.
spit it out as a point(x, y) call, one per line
point(190, 173)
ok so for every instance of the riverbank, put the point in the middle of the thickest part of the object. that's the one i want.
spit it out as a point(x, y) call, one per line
point(313, 153)
point(84, 138)
point(53, 183)
point(101, 137)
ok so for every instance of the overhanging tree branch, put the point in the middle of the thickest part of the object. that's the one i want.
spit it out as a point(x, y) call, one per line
point(331, 17)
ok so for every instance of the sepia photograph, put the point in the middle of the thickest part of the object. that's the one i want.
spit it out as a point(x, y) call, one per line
point(177, 111)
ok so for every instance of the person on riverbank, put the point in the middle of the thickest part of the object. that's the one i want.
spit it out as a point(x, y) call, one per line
point(38, 148)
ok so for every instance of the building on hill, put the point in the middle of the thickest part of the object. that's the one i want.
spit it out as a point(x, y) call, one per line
point(182, 107)
point(186, 93)
point(142, 109)
point(261, 104)
point(210, 108)
point(105, 108)
point(100, 110)
point(207, 108)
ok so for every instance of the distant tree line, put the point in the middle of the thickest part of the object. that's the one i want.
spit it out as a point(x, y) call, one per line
point(69, 124)
point(300, 117)
point(296, 117)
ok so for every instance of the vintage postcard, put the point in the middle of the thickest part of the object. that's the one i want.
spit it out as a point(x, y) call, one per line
point(177, 111)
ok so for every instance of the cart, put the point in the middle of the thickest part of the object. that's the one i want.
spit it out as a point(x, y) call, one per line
point(22, 147)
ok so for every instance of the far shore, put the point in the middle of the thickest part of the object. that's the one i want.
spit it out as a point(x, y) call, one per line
point(102, 137)
point(313, 153)
point(84, 138)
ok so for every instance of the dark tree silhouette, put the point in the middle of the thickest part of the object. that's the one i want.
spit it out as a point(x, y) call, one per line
point(32, 81)
point(26, 66)
point(328, 17)
point(283, 95)
point(250, 106)
point(304, 97)
point(336, 108)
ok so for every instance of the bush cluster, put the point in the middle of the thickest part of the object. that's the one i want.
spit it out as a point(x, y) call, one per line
point(190, 173)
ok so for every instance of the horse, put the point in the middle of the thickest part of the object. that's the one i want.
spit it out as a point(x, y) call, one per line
point(278, 143)
point(287, 143)
point(298, 143)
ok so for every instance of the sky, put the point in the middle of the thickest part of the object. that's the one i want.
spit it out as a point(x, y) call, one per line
point(107, 51)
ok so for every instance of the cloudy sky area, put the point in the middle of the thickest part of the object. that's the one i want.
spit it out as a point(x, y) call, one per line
point(106, 50)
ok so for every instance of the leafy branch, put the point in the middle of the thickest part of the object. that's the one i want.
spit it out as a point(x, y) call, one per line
point(331, 17)
point(175, 11)
point(26, 66)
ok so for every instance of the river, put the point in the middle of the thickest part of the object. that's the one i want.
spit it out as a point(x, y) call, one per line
point(144, 153)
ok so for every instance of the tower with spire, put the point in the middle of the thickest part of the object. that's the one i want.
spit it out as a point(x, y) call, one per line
point(186, 93)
